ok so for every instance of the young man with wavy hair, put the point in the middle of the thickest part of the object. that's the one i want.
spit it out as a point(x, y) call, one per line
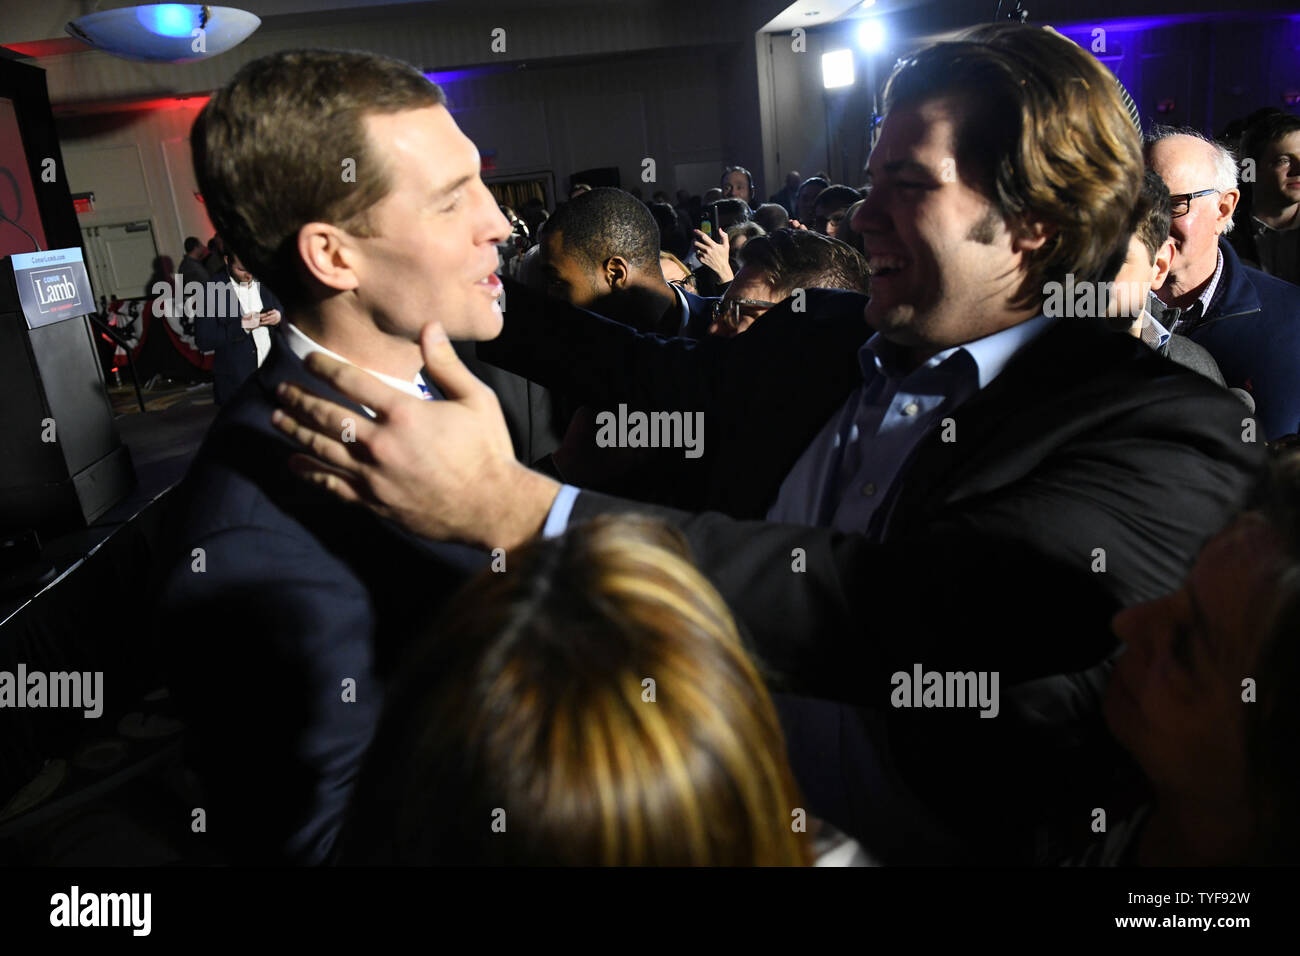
point(950, 478)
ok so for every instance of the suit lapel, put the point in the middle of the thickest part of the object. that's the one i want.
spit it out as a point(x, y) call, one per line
point(283, 365)
point(995, 434)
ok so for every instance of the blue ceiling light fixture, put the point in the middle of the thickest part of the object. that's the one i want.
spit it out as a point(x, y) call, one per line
point(169, 19)
point(165, 32)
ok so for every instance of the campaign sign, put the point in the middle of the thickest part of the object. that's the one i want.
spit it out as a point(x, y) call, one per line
point(52, 285)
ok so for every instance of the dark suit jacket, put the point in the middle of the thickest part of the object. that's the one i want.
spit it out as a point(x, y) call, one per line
point(766, 393)
point(192, 270)
point(298, 595)
point(1181, 349)
point(701, 315)
point(535, 422)
point(1252, 328)
point(538, 420)
point(235, 353)
point(1087, 446)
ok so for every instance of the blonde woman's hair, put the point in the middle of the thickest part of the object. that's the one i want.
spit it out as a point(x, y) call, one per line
point(595, 702)
point(664, 254)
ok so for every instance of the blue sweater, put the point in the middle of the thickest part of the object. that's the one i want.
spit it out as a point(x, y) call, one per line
point(1252, 328)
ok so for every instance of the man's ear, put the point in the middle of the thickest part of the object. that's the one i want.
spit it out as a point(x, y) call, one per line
point(616, 272)
point(1164, 258)
point(329, 255)
point(1032, 235)
point(1227, 206)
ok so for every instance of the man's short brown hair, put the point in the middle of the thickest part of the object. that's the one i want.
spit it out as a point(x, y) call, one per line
point(272, 151)
point(1045, 137)
point(792, 259)
point(1153, 214)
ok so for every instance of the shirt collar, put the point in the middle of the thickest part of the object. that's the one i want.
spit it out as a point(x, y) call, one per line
point(990, 353)
point(1205, 297)
point(303, 345)
point(1261, 228)
point(686, 307)
point(1152, 332)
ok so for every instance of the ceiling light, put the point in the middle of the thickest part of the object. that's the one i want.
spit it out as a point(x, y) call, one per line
point(871, 36)
point(165, 32)
point(837, 69)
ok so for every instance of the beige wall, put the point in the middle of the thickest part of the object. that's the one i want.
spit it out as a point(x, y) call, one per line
point(138, 166)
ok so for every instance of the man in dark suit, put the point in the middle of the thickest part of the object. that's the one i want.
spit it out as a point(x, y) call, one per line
point(973, 489)
point(284, 611)
point(235, 321)
point(192, 268)
point(1247, 320)
point(786, 196)
point(1252, 329)
point(1267, 231)
point(600, 251)
point(284, 615)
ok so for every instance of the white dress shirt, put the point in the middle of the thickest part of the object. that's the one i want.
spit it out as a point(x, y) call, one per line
point(250, 303)
point(303, 345)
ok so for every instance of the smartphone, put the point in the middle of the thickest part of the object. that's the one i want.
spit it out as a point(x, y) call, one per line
point(724, 219)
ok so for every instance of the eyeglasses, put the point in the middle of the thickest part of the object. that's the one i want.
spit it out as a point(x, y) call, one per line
point(1182, 203)
point(686, 282)
point(726, 312)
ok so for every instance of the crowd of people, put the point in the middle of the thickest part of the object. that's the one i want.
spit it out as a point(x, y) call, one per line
point(946, 517)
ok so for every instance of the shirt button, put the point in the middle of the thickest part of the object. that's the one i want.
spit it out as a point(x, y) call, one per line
point(911, 408)
point(869, 489)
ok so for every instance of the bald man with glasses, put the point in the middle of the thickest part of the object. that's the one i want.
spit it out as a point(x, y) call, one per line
point(1247, 320)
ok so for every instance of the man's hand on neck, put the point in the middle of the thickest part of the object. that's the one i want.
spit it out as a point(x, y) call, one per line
point(445, 470)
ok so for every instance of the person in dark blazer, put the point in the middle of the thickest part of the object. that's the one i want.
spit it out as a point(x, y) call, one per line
point(235, 322)
point(192, 268)
point(284, 616)
point(601, 252)
point(285, 612)
point(1266, 235)
point(1246, 319)
point(1252, 329)
point(974, 489)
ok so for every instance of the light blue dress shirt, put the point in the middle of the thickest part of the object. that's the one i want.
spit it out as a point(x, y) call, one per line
point(847, 471)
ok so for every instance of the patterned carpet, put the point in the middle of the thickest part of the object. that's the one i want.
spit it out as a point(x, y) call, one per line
point(162, 397)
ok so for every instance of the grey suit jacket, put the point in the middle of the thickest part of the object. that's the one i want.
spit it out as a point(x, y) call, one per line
point(1188, 354)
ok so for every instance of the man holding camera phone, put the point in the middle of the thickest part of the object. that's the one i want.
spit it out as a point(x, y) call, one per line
point(234, 321)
